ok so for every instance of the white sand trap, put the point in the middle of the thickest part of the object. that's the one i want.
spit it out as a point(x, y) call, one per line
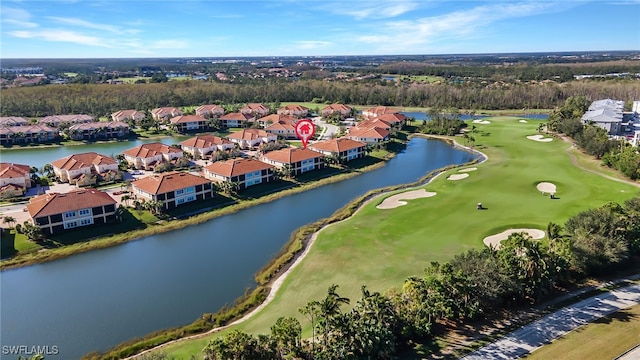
point(457, 176)
point(539, 138)
point(468, 169)
point(546, 187)
point(480, 121)
point(494, 240)
point(396, 200)
point(522, 121)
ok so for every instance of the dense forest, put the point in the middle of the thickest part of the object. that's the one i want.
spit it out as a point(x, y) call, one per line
point(103, 99)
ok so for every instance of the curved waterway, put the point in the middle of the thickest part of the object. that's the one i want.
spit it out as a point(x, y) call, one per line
point(98, 299)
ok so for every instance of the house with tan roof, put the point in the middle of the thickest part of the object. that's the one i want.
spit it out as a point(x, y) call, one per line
point(99, 130)
point(209, 111)
point(257, 109)
point(147, 156)
point(297, 111)
point(124, 115)
point(13, 121)
point(236, 119)
point(296, 161)
point(86, 168)
point(165, 113)
point(370, 136)
point(340, 109)
point(242, 171)
point(172, 188)
point(189, 123)
point(377, 111)
point(396, 120)
point(343, 148)
point(15, 179)
point(249, 138)
point(57, 120)
point(55, 212)
point(374, 123)
point(27, 134)
point(284, 129)
point(265, 121)
point(204, 145)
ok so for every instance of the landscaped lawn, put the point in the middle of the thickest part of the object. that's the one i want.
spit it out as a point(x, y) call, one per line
point(381, 248)
point(605, 338)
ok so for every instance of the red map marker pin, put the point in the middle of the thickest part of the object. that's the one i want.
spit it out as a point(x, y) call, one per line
point(304, 131)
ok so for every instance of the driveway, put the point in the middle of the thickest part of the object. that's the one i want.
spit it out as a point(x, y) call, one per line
point(330, 130)
point(532, 336)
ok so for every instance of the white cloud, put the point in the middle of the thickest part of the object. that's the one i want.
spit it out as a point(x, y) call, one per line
point(60, 36)
point(91, 25)
point(17, 17)
point(168, 44)
point(312, 44)
point(377, 10)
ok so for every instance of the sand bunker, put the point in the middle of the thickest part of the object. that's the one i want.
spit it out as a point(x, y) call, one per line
point(540, 138)
point(546, 187)
point(494, 240)
point(480, 121)
point(522, 121)
point(457, 176)
point(468, 169)
point(396, 200)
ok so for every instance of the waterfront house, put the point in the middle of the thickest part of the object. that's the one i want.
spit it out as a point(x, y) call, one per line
point(172, 189)
point(204, 145)
point(86, 168)
point(147, 156)
point(374, 123)
point(256, 109)
point(236, 119)
point(370, 136)
point(55, 212)
point(396, 120)
point(99, 130)
point(124, 115)
point(295, 161)
point(57, 120)
point(187, 123)
point(15, 179)
point(297, 111)
point(249, 138)
point(209, 111)
point(340, 109)
point(242, 172)
point(344, 149)
point(377, 111)
point(13, 121)
point(265, 121)
point(165, 113)
point(27, 134)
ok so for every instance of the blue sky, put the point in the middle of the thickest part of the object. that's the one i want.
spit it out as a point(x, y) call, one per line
point(210, 28)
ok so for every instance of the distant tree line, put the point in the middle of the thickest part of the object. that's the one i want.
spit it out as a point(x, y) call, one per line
point(471, 285)
point(103, 99)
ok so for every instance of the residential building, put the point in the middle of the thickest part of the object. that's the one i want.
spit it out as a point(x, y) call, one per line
point(256, 109)
point(374, 123)
point(344, 149)
point(6, 121)
point(55, 212)
point(172, 189)
point(57, 120)
point(15, 179)
point(396, 120)
point(236, 119)
point(27, 134)
point(147, 156)
point(188, 123)
point(340, 109)
point(248, 138)
point(265, 121)
point(284, 129)
point(99, 130)
point(294, 160)
point(86, 168)
point(209, 111)
point(165, 113)
point(241, 171)
point(297, 111)
point(370, 136)
point(124, 115)
point(377, 111)
point(606, 114)
point(204, 145)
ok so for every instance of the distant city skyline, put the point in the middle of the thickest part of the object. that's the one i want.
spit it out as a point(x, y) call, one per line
point(222, 28)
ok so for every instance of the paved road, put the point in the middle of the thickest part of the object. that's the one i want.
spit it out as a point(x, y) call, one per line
point(540, 332)
point(330, 129)
point(633, 354)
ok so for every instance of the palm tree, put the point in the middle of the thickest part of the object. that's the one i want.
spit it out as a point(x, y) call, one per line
point(9, 220)
point(126, 198)
point(47, 170)
point(329, 307)
point(311, 310)
point(155, 206)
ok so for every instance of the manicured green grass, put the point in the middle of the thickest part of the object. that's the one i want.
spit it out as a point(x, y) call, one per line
point(381, 248)
point(131, 80)
point(605, 338)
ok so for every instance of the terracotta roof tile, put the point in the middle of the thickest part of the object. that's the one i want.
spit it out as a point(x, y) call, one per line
point(205, 141)
point(56, 203)
point(167, 182)
point(291, 155)
point(337, 145)
point(151, 150)
point(78, 161)
point(9, 170)
point(235, 167)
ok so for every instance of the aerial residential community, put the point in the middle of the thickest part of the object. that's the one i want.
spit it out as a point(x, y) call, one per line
point(319, 180)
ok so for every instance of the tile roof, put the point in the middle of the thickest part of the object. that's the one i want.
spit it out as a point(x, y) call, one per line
point(255, 106)
point(127, 113)
point(205, 141)
point(281, 125)
point(373, 123)
point(274, 118)
point(337, 107)
point(379, 110)
point(392, 117)
point(56, 203)
point(181, 119)
point(167, 182)
point(98, 125)
point(151, 150)
point(249, 134)
point(13, 121)
point(67, 118)
point(209, 108)
point(236, 116)
point(294, 108)
point(291, 155)
point(337, 145)
point(10, 170)
point(28, 129)
point(235, 167)
point(372, 133)
point(166, 110)
point(83, 160)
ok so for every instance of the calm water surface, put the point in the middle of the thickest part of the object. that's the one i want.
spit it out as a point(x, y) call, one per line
point(424, 116)
point(95, 300)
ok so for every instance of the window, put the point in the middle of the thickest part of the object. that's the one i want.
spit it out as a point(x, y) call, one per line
point(180, 192)
point(70, 224)
point(69, 214)
point(190, 189)
point(86, 222)
point(180, 201)
point(84, 212)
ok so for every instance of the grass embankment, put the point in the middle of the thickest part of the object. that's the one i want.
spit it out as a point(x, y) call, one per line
point(381, 248)
point(605, 338)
